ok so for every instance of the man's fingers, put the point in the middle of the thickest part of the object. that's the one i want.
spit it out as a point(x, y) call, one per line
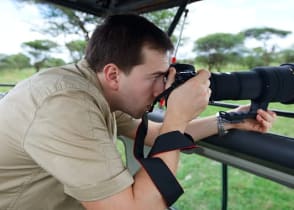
point(268, 116)
point(170, 77)
point(203, 75)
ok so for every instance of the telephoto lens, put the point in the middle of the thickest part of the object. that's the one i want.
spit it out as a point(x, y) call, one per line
point(261, 84)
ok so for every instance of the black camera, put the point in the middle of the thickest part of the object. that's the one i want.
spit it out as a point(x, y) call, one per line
point(261, 85)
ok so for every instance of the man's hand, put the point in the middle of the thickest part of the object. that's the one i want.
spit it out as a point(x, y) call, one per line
point(188, 100)
point(262, 123)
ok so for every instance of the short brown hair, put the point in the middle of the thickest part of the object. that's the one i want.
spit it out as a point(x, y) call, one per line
point(120, 40)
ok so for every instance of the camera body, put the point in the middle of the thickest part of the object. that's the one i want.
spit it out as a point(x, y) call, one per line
point(183, 72)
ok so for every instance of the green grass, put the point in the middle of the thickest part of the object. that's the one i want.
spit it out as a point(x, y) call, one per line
point(11, 76)
point(201, 177)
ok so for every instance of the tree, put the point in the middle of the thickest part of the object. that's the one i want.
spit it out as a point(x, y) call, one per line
point(16, 61)
point(51, 62)
point(163, 19)
point(216, 50)
point(286, 56)
point(253, 58)
point(39, 50)
point(64, 21)
point(76, 49)
point(2, 56)
point(264, 35)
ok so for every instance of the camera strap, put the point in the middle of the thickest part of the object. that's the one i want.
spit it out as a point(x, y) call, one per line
point(164, 95)
point(158, 171)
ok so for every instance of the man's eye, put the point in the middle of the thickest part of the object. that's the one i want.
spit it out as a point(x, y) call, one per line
point(160, 77)
point(157, 76)
point(164, 78)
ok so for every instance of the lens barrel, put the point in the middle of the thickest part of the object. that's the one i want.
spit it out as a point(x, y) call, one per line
point(261, 84)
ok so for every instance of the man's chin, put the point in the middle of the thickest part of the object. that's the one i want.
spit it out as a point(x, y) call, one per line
point(140, 113)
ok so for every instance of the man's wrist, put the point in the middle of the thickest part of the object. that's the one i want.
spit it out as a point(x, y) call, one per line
point(171, 124)
point(222, 126)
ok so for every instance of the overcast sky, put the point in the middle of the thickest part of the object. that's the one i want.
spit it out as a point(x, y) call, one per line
point(205, 17)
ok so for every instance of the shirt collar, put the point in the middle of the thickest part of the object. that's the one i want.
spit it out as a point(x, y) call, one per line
point(84, 68)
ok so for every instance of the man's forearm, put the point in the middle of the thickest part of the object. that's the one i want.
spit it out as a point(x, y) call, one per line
point(203, 127)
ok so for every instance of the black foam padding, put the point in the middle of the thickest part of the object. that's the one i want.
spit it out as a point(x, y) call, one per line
point(270, 147)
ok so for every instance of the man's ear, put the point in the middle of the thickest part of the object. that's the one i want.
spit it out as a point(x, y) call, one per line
point(112, 75)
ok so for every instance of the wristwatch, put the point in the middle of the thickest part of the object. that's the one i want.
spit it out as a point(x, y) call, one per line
point(220, 125)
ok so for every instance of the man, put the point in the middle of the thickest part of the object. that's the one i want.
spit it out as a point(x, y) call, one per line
point(58, 127)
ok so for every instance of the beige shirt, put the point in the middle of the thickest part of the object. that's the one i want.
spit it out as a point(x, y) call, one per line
point(57, 142)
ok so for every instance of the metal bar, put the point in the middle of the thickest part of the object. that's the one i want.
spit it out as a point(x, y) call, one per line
point(224, 186)
point(6, 85)
point(177, 18)
point(280, 113)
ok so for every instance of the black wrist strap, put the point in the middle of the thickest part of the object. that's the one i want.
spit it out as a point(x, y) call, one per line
point(159, 173)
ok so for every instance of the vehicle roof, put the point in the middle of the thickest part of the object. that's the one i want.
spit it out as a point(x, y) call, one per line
point(106, 7)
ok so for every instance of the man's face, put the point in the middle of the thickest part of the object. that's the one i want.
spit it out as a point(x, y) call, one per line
point(146, 81)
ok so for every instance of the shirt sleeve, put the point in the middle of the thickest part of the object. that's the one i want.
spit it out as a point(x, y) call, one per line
point(69, 137)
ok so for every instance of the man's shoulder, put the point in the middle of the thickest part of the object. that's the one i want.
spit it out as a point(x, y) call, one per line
point(61, 80)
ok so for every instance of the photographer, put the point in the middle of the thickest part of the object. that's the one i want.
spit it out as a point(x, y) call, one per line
point(58, 127)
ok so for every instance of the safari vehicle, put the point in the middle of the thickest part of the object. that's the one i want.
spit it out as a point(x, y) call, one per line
point(269, 155)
